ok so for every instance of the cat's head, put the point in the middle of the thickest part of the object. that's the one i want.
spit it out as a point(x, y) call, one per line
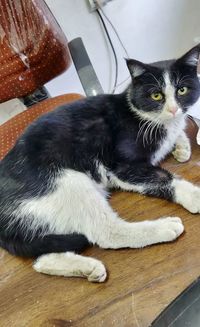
point(164, 90)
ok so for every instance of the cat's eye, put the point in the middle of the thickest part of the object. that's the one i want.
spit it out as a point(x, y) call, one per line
point(183, 90)
point(157, 96)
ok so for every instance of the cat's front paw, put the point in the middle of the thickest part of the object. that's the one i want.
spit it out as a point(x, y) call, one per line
point(188, 195)
point(97, 274)
point(182, 152)
point(167, 229)
point(159, 231)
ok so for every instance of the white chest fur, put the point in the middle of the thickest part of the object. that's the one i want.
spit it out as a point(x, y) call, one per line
point(173, 129)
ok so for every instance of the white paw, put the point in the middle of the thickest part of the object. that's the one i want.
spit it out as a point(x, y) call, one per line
point(167, 229)
point(191, 201)
point(182, 152)
point(97, 273)
point(71, 265)
point(188, 195)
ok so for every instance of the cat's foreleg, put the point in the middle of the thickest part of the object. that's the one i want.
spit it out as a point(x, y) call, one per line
point(71, 265)
point(122, 234)
point(182, 151)
point(155, 181)
point(103, 226)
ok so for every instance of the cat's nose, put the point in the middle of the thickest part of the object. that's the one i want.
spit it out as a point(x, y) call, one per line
point(173, 110)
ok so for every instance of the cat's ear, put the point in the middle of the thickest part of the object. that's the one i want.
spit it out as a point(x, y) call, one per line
point(136, 68)
point(191, 58)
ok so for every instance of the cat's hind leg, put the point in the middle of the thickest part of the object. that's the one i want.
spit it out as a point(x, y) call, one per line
point(90, 214)
point(71, 265)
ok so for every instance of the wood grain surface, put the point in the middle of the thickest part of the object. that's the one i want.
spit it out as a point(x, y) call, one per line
point(140, 285)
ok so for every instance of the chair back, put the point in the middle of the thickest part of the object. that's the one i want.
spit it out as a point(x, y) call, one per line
point(33, 48)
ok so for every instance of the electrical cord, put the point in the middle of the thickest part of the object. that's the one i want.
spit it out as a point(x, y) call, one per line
point(115, 31)
point(113, 50)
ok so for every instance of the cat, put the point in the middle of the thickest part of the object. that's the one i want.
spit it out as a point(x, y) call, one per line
point(54, 181)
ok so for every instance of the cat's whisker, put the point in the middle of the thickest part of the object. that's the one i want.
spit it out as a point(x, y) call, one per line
point(141, 128)
point(184, 78)
point(140, 133)
point(146, 131)
point(152, 129)
point(149, 127)
point(177, 76)
point(153, 126)
point(157, 129)
point(144, 123)
point(159, 83)
point(149, 84)
point(159, 125)
point(146, 134)
point(153, 89)
point(143, 137)
point(151, 132)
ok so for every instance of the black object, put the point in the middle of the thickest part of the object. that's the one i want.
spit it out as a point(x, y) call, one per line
point(85, 70)
point(35, 97)
point(184, 311)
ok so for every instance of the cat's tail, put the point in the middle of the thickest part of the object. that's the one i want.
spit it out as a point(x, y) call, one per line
point(46, 244)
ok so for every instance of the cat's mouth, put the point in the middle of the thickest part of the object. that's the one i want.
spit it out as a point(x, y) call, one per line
point(169, 115)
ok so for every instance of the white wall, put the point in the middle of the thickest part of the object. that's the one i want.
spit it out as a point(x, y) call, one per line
point(150, 29)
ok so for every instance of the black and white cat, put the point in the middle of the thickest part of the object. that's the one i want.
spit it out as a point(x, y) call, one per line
point(54, 180)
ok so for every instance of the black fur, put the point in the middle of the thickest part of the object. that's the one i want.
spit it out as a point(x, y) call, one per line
point(101, 128)
point(46, 244)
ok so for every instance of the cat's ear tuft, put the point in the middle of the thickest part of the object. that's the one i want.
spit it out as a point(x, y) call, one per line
point(136, 68)
point(191, 58)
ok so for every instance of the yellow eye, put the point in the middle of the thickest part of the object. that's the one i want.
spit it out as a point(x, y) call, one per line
point(157, 96)
point(182, 90)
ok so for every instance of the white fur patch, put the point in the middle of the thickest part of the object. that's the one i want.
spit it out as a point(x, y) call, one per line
point(170, 100)
point(75, 199)
point(117, 183)
point(173, 129)
point(137, 71)
point(103, 172)
point(187, 194)
point(193, 60)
